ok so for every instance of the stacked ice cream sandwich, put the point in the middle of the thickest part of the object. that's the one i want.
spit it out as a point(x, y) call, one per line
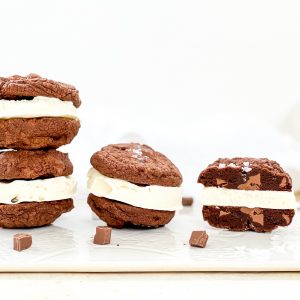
point(37, 116)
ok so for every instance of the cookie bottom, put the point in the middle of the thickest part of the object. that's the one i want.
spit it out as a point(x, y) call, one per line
point(119, 215)
point(243, 218)
point(37, 133)
point(32, 214)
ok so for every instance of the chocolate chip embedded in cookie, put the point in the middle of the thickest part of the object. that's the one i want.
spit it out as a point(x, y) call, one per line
point(24, 164)
point(33, 214)
point(131, 184)
point(37, 113)
point(247, 194)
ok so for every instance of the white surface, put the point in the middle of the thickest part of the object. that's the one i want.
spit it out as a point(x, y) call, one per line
point(67, 246)
point(37, 107)
point(229, 286)
point(264, 199)
point(150, 197)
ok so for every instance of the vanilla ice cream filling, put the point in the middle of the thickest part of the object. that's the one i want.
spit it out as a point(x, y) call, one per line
point(37, 107)
point(38, 190)
point(149, 197)
point(264, 199)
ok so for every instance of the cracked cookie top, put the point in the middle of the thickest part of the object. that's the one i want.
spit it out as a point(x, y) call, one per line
point(18, 87)
point(136, 163)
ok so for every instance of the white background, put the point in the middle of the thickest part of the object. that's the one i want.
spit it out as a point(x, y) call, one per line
point(194, 79)
point(182, 75)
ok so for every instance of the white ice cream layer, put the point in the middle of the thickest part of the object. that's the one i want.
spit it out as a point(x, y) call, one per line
point(263, 199)
point(36, 108)
point(149, 197)
point(38, 190)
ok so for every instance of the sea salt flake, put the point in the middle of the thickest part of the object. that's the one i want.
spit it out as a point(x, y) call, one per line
point(221, 166)
point(246, 169)
point(246, 163)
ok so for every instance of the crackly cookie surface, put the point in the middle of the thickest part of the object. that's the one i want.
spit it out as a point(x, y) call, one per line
point(246, 174)
point(119, 215)
point(33, 214)
point(136, 163)
point(37, 133)
point(26, 87)
point(24, 164)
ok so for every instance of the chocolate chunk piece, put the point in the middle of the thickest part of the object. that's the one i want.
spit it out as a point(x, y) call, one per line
point(103, 235)
point(244, 218)
point(136, 163)
point(198, 239)
point(246, 174)
point(18, 87)
point(22, 241)
point(187, 201)
point(118, 215)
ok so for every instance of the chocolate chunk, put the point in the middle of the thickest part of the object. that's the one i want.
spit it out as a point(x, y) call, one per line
point(198, 239)
point(187, 201)
point(22, 241)
point(103, 235)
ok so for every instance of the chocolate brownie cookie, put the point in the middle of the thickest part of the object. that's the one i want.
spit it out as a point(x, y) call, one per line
point(18, 87)
point(24, 164)
point(33, 214)
point(38, 133)
point(247, 194)
point(118, 215)
point(136, 163)
point(37, 113)
point(134, 185)
point(35, 187)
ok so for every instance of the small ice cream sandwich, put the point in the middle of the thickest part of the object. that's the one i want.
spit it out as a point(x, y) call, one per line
point(37, 113)
point(35, 187)
point(247, 194)
point(133, 185)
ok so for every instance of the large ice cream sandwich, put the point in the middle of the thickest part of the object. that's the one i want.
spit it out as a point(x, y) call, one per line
point(133, 185)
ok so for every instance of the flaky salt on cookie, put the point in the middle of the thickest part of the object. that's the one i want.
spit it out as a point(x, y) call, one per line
point(247, 194)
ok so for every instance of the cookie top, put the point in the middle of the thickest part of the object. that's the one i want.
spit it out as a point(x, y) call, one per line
point(18, 87)
point(246, 174)
point(23, 164)
point(136, 163)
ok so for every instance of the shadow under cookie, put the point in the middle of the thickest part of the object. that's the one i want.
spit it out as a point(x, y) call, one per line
point(119, 215)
